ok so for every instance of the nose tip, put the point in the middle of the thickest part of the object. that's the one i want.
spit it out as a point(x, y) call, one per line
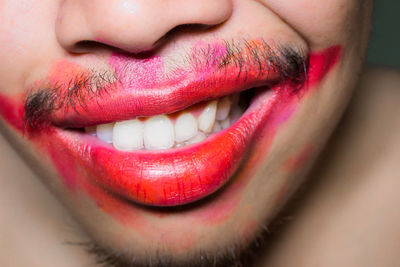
point(133, 26)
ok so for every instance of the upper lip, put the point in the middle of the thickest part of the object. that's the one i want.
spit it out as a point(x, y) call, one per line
point(121, 101)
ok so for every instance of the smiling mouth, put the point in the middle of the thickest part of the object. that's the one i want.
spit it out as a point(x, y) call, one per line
point(171, 145)
point(154, 162)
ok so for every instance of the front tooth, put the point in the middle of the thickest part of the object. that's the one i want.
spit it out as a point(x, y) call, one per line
point(224, 106)
point(159, 133)
point(128, 135)
point(207, 118)
point(105, 132)
point(185, 127)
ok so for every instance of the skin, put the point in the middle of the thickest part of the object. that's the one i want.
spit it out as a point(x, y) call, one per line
point(235, 215)
point(348, 214)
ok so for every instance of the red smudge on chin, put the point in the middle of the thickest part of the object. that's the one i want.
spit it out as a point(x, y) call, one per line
point(293, 164)
point(136, 217)
point(76, 178)
point(65, 165)
point(249, 231)
point(297, 161)
point(114, 206)
point(222, 207)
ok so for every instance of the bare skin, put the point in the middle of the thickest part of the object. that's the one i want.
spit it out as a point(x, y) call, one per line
point(346, 215)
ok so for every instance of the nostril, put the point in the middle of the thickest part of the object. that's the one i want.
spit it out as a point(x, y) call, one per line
point(184, 29)
point(86, 46)
point(90, 46)
point(134, 26)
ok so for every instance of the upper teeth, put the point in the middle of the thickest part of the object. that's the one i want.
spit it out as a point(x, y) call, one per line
point(162, 132)
point(159, 133)
point(224, 106)
point(128, 135)
point(185, 127)
point(207, 118)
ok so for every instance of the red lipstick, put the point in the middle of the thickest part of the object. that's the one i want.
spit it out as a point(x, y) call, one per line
point(142, 88)
point(170, 177)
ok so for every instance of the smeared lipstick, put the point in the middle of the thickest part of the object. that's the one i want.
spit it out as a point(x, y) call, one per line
point(143, 88)
point(183, 175)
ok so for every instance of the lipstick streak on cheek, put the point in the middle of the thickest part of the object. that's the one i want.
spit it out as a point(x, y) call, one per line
point(320, 63)
point(12, 111)
point(221, 209)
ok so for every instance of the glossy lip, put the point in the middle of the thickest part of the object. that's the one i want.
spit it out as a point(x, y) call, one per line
point(152, 95)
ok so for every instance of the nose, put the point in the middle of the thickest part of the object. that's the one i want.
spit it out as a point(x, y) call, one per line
point(132, 25)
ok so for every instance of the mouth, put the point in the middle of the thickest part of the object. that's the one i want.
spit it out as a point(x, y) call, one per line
point(177, 158)
point(180, 146)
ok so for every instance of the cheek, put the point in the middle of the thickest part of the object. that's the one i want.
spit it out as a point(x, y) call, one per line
point(298, 160)
point(27, 41)
point(321, 23)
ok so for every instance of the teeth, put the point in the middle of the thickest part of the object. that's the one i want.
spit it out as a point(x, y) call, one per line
point(185, 127)
point(225, 123)
point(159, 133)
point(224, 106)
point(217, 127)
point(207, 118)
point(128, 135)
point(197, 139)
point(105, 132)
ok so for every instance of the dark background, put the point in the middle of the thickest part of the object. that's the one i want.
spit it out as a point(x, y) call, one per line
point(384, 49)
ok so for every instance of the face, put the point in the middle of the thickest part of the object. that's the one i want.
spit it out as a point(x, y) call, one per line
point(176, 129)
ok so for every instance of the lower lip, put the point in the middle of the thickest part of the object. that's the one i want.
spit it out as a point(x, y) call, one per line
point(180, 176)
